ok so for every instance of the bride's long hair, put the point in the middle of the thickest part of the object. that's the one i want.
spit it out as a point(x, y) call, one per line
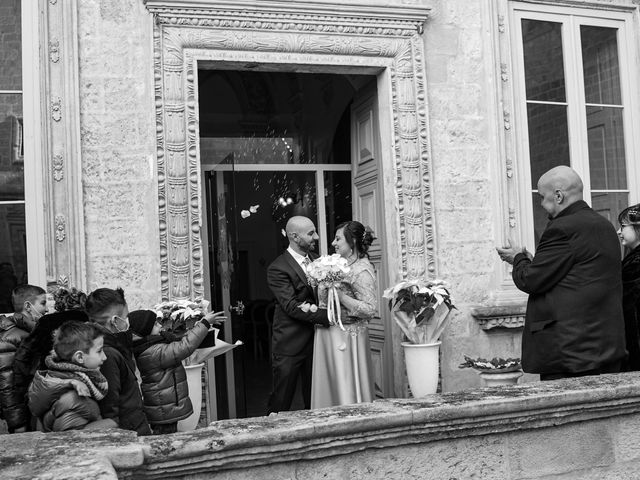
point(357, 236)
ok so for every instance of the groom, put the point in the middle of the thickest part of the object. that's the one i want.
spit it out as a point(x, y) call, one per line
point(292, 328)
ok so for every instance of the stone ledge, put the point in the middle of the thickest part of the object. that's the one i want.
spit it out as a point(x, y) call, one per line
point(500, 316)
point(287, 438)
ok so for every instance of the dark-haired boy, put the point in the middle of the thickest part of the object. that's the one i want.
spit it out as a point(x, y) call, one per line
point(123, 403)
point(29, 303)
point(66, 395)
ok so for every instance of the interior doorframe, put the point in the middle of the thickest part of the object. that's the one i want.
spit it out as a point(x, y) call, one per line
point(308, 37)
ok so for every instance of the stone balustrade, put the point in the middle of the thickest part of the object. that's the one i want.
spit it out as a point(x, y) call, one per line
point(578, 428)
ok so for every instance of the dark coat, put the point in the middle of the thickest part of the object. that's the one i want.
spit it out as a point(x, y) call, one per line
point(123, 402)
point(574, 320)
point(631, 307)
point(292, 328)
point(164, 380)
point(32, 352)
point(58, 406)
point(13, 330)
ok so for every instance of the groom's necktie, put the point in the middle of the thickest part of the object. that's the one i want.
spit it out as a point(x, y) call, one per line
point(305, 263)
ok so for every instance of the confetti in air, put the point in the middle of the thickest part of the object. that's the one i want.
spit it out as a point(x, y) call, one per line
point(254, 208)
point(245, 213)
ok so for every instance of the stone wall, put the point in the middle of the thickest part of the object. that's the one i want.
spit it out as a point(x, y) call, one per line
point(461, 71)
point(583, 428)
point(120, 180)
point(118, 148)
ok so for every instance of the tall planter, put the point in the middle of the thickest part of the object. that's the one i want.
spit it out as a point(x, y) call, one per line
point(423, 367)
point(194, 381)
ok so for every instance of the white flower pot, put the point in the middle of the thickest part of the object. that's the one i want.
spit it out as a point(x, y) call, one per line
point(422, 367)
point(194, 381)
point(493, 379)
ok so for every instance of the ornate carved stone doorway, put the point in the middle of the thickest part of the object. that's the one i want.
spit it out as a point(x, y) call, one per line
point(302, 36)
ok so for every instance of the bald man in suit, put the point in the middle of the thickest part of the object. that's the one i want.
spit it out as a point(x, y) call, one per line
point(293, 329)
point(574, 324)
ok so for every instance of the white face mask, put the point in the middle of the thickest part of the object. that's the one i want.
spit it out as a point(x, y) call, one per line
point(118, 322)
point(35, 314)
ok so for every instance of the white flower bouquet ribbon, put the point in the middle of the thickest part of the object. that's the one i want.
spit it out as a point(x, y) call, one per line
point(333, 307)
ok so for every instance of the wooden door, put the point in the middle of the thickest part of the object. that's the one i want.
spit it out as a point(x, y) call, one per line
point(368, 209)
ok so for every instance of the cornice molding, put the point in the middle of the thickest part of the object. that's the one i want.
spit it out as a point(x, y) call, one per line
point(299, 16)
point(629, 6)
point(500, 316)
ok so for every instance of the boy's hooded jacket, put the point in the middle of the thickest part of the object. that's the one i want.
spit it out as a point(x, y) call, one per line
point(123, 402)
point(31, 355)
point(55, 402)
point(13, 330)
point(164, 380)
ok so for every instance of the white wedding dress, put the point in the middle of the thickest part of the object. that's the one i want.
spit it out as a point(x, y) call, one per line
point(342, 370)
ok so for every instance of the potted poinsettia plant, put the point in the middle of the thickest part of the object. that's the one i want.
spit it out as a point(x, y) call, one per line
point(421, 308)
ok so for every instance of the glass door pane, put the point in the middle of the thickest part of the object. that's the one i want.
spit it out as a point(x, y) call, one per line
point(605, 122)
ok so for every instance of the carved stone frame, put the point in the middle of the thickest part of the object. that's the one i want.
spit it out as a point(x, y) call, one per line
point(298, 35)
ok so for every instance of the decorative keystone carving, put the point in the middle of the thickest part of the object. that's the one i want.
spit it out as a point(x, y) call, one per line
point(56, 109)
point(63, 281)
point(60, 227)
point(503, 316)
point(58, 167)
point(54, 50)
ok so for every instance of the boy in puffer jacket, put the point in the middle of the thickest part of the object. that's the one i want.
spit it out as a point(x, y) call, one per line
point(66, 395)
point(30, 303)
point(159, 358)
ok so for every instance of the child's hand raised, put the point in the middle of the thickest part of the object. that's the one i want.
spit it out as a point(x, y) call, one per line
point(80, 388)
point(215, 318)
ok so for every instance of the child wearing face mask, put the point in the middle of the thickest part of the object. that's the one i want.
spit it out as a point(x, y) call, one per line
point(122, 405)
point(65, 396)
point(31, 354)
point(29, 303)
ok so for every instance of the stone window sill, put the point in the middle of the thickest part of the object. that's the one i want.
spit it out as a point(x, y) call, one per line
point(500, 316)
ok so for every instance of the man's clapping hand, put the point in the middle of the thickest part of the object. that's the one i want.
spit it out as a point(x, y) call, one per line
point(508, 252)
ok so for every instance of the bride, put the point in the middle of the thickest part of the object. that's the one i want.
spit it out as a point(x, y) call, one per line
point(342, 371)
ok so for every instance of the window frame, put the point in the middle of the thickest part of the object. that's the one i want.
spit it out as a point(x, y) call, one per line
point(33, 135)
point(571, 19)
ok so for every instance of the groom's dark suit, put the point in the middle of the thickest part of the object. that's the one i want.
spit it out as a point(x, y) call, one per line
point(293, 330)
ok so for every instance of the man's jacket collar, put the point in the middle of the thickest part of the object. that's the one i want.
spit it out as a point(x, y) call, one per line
point(571, 209)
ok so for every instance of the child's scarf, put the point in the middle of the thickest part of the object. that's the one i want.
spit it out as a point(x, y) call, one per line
point(92, 378)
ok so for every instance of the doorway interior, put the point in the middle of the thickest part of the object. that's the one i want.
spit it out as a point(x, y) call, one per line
point(272, 145)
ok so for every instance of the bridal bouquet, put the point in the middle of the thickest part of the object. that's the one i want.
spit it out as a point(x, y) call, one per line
point(180, 315)
point(328, 271)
